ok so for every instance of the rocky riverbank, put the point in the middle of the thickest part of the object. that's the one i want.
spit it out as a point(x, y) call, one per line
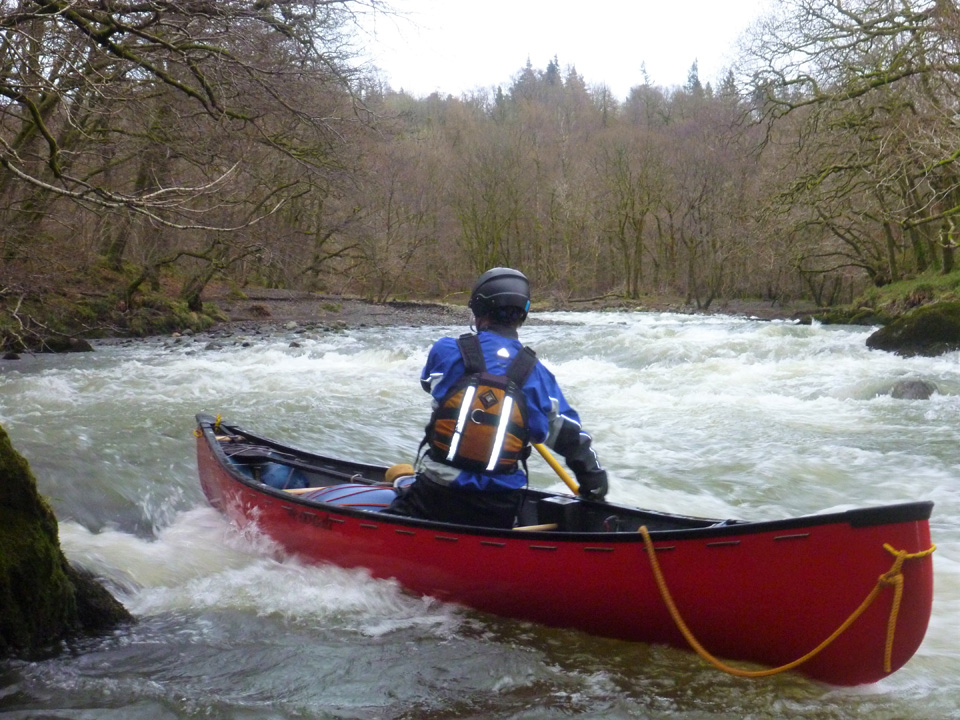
point(229, 314)
point(271, 308)
point(928, 330)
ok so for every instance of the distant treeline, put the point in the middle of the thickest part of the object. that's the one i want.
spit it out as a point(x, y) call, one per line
point(165, 145)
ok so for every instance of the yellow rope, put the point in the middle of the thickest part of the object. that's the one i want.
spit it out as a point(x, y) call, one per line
point(216, 426)
point(892, 577)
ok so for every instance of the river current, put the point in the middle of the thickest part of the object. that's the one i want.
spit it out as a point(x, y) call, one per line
point(704, 415)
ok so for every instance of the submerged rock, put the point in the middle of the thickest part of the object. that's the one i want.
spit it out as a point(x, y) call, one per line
point(43, 599)
point(913, 389)
point(929, 330)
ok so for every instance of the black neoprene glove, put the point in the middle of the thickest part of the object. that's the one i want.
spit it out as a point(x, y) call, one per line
point(576, 447)
point(593, 485)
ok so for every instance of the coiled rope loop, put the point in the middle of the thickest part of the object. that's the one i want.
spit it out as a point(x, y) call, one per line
point(893, 577)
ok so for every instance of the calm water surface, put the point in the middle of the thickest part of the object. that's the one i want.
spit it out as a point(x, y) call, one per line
point(716, 416)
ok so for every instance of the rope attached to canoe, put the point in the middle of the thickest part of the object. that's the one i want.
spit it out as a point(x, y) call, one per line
point(216, 426)
point(893, 577)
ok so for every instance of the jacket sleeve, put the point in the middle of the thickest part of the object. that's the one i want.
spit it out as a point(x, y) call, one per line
point(442, 357)
point(575, 444)
point(568, 438)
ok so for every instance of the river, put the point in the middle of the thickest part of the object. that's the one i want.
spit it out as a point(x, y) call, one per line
point(707, 415)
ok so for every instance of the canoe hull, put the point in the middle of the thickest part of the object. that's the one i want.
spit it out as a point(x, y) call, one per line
point(765, 593)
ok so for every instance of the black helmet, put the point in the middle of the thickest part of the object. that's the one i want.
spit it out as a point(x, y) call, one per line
point(500, 288)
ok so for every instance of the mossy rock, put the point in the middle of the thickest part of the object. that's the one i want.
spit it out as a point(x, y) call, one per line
point(36, 597)
point(929, 330)
point(64, 345)
point(869, 316)
point(158, 315)
point(43, 600)
point(830, 317)
point(852, 316)
point(44, 344)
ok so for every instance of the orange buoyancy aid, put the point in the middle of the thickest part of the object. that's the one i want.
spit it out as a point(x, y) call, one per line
point(481, 423)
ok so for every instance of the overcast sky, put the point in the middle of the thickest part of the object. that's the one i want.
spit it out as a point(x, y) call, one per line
point(455, 46)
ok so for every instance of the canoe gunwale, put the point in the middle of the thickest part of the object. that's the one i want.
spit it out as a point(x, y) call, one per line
point(699, 528)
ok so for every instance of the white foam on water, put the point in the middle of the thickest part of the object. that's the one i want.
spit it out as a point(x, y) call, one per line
point(201, 563)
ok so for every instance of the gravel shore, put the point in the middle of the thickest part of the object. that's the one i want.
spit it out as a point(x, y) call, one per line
point(280, 307)
point(264, 309)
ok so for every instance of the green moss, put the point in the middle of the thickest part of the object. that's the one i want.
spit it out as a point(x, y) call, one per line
point(881, 305)
point(838, 316)
point(42, 599)
point(929, 330)
point(868, 316)
point(160, 315)
point(93, 302)
point(852, 316)
point(899, 297)
point(37, 604)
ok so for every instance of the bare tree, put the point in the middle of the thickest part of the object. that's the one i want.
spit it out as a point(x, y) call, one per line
point(632, 172)
point(155, 118)
point(867, 93)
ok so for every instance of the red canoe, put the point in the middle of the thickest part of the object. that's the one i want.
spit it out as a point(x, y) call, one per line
point(759, 592)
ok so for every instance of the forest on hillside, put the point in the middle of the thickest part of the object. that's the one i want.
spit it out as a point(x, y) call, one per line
point(160, 145)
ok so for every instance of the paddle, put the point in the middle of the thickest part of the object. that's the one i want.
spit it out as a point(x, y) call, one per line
point(301, 491)
point(557, 467)
point(541, 448)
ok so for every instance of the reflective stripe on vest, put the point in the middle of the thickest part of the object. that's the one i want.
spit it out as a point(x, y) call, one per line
point(461, 421)
point(501, 431)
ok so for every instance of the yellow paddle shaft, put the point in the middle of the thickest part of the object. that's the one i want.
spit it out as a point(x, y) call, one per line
point(557, 467)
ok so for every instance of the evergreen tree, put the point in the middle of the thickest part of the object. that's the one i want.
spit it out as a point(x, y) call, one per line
point(693, 85)
point(525, 84)
point(552, 76)
point(728, 88)
point(500, 105)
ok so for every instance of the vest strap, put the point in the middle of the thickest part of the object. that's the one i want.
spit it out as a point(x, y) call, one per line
point(472, 353)
point(519, 370)
point(522, 365)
